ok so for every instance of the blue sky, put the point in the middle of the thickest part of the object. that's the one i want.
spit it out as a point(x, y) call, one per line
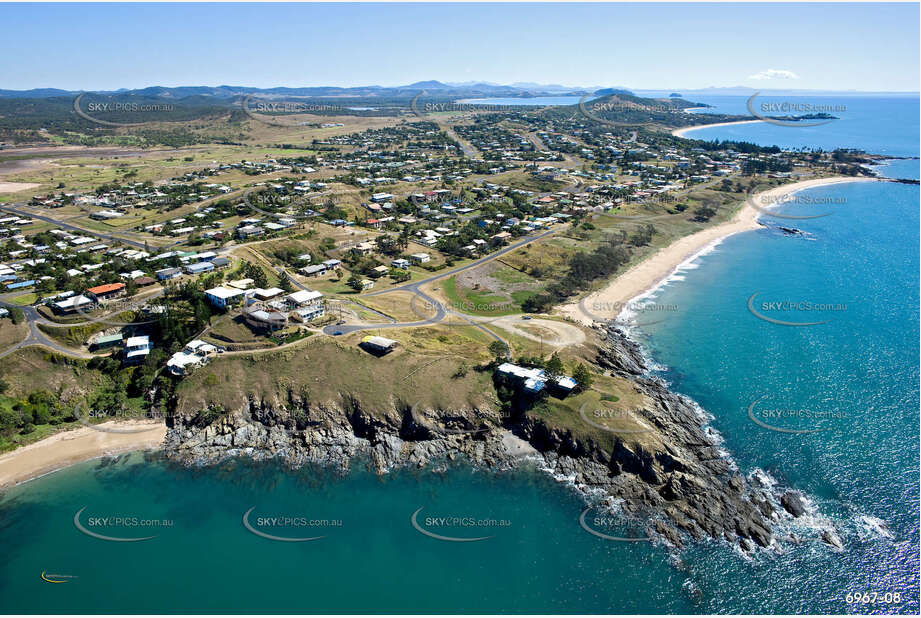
point(650, 46)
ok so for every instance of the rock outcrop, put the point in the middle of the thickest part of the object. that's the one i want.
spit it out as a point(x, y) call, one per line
point(676, 483)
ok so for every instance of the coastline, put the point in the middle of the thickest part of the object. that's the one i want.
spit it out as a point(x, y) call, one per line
point(641, 279)
point(75, 446)
point(681, 132)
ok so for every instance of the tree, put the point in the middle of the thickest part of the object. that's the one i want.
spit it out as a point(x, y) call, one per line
point(583, 377)
point(555, 366)
point(703, 214)
point(251, 271)
point(498, 350)
point(642, 236)
point(354, 282)
point(16, 315)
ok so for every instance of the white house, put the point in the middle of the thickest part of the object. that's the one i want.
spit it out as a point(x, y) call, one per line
point(222, 297)
point(137, 349)
point(420, 258)
point(305, 298)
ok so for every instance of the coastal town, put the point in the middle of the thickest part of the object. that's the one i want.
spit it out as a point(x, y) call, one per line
point(460, 308)
point(441, 261)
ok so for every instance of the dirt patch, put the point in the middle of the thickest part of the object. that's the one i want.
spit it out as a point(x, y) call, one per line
point(16, 187)
point(548, 332)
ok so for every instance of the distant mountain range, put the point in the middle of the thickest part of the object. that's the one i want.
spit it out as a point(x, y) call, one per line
point(229, 92)
point(464, 89)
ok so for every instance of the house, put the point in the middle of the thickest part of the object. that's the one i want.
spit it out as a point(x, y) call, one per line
point(314, 270)
point(267, 294)
point(380, 271)
point(195, 354)
point(378, 345)
point(249, 231)
point(20, 284)
point(534, 380)
point(199, 268)
point(420, 258)
point(262, 320)
point(72, 304)
point(382, 197)
point(400, 263)
point(304, 298)
point(204, 256)
point(106, 291)
point(531, 379)
point(221, 262)
point(168, 273)
point(331, 264)
point(308, 313)
point(363, 248)
point(144, 281)
point(103, 215)
point(222, 297)
point(366, 284)
point(107, 342)
point(137, 349)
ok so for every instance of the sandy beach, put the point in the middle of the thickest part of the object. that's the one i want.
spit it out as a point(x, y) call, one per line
point(609, 301)
point(70, 447)
point(681, 132)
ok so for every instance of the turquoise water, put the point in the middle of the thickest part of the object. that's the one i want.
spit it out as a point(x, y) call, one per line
point(542, 561)
point(855, 377)
point(886, 125)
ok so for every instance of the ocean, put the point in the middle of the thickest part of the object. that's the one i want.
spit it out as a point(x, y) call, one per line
point(849, 386)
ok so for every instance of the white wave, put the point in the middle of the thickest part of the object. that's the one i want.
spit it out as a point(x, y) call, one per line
point(874, 526)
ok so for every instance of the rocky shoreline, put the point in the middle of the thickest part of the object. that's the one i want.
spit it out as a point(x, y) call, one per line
point(684, 488)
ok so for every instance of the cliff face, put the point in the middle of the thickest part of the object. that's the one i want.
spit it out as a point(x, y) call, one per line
point(682, 487)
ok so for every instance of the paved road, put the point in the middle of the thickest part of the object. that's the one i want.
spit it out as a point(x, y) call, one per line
point(37, 337)
point(440, 311)
point(488, 258)
point(59, 223)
